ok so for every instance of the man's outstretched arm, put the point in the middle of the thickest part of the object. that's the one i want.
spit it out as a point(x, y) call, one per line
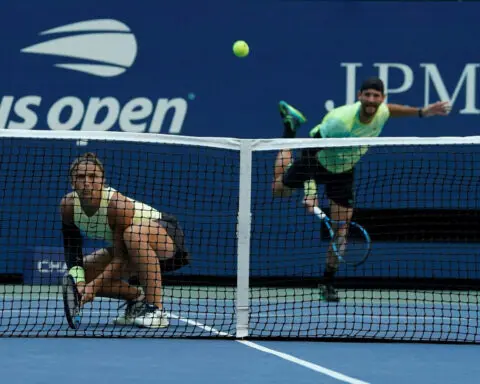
point(440, 108)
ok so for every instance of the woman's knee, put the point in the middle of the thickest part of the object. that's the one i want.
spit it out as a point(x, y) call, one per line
point(133, 234)
point(152, 235)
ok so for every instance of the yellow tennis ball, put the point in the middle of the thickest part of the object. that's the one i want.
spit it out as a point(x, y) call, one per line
point(240, 48)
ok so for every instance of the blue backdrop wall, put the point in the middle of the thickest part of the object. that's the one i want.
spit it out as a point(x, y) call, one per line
point(167, 67)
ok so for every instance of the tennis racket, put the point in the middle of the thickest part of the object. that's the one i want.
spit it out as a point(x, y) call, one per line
point(353, 249)
point(71, 302)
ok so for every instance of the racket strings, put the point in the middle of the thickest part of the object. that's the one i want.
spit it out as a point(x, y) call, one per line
point(352, 244)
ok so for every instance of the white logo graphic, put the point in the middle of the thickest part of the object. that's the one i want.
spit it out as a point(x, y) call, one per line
point(434, 86)
point(107, 44)
point(139, 114)
point(103, 48)
point(51, 266)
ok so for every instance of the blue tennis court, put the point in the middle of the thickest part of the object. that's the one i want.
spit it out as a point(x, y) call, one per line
point(214, 361)
point(217, 361)
point(120, 352)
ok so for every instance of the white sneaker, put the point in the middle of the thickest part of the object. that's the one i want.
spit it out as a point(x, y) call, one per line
point(151, 317)
point(131, 312)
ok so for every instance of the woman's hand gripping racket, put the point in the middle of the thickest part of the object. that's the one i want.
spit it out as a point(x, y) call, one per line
point(352, 249)
point(71, 302)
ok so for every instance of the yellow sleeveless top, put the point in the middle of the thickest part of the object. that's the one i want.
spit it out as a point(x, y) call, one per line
point(97, 227)
point(344, 122)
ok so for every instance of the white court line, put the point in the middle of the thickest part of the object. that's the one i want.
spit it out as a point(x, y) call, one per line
point(317, 368)
point(285, 356)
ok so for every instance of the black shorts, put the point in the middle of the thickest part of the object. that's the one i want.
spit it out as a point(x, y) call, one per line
point(338, 186)
point(181, 257)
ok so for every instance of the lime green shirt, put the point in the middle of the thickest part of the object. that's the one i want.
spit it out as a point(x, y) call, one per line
point(344, 122)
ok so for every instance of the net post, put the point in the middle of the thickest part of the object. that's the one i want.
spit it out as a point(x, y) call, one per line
point(244, 222)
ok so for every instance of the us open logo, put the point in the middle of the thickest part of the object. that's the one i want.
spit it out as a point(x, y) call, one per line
point(107, 47)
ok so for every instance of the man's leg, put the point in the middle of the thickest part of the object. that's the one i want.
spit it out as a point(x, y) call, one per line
point(342, 214)
point(292, 119)
point(339, 190)
point(283, 161)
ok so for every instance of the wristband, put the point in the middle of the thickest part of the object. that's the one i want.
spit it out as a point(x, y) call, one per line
point(310, 188)
point(78, 274)
point(420, 112)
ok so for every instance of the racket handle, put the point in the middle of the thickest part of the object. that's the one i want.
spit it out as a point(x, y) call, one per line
point(319, 213)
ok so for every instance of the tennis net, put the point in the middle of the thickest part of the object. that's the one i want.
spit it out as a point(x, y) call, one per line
point(256, 263)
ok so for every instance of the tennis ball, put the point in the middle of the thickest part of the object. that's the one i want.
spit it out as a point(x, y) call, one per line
point(240, 48)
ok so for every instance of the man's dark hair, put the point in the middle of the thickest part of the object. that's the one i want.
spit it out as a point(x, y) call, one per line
point(373, 83)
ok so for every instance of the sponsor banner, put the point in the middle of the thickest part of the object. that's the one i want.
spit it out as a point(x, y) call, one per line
point(112, 66)
point(45, 265)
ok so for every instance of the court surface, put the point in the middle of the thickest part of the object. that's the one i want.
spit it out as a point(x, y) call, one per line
point(127, 354)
